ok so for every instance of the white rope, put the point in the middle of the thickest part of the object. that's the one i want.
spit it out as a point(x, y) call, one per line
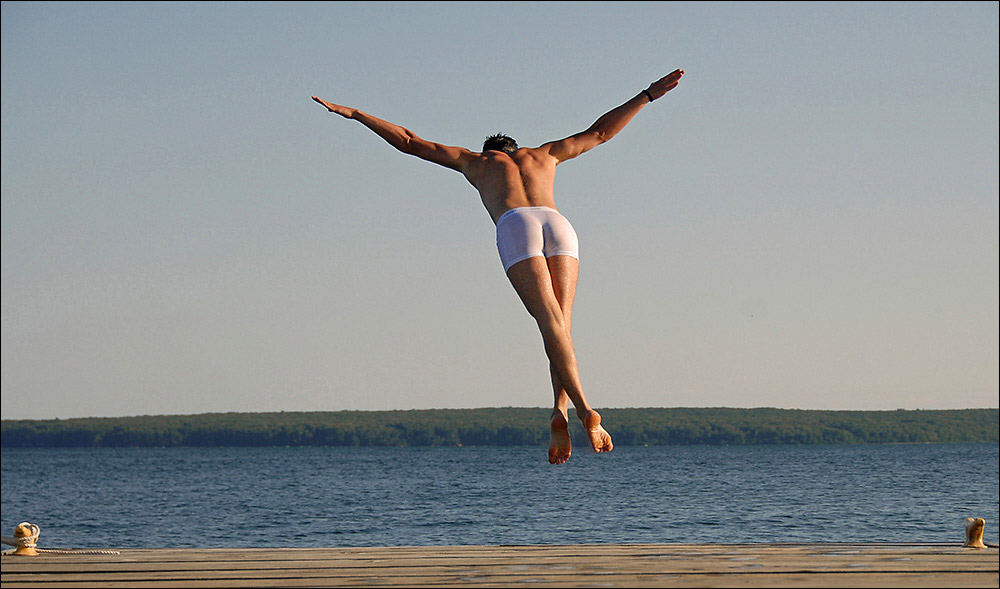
point(25, 541)
point(31, 540)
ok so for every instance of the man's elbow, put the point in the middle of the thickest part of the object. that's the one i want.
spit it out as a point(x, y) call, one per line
point(406, 145)
point(603, 136)
point(594, 137)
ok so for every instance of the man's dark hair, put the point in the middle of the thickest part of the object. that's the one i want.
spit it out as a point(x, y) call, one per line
point(500, 142)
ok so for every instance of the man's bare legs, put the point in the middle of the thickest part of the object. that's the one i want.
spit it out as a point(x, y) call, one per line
point(547, 288)
point(563, 271)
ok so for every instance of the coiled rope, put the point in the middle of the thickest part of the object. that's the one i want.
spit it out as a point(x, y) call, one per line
point(31, 540)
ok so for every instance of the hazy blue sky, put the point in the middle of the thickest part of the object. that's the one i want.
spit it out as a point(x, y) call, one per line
point(809, 220)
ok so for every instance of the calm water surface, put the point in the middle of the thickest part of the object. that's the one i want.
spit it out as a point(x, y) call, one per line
point(328, 497)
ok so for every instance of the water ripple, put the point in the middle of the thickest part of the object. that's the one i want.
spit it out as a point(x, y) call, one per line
point(316, 497)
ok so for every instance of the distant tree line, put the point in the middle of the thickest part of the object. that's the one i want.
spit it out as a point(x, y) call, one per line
point(510, 426)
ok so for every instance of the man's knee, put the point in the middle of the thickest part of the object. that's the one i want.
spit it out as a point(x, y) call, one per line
point(551, 322)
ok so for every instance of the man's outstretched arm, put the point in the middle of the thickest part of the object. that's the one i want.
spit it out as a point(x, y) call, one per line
point(403, 139)
point(612, 121)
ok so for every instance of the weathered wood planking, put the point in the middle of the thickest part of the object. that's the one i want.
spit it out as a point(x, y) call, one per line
point(639, 565)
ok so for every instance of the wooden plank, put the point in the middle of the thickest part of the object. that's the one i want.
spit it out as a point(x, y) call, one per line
point(646, 565)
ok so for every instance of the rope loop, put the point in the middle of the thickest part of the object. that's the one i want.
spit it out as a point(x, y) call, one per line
point(28, 541)
point(31, 539)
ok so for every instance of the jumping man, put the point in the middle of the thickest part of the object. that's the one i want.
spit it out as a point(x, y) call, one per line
point(537, 245)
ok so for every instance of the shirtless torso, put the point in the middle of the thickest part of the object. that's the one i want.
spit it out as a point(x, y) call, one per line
point(546, 281)
point(522, 179)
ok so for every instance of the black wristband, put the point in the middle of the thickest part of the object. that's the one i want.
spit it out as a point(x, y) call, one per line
point(648, 95)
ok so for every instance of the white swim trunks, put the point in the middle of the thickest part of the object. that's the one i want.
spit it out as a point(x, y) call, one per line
point(526, 232)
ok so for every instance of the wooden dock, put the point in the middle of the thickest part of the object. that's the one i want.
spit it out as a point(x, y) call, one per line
point(630, 565)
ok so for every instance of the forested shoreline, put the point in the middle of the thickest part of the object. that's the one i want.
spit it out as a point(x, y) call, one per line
point(507, 426)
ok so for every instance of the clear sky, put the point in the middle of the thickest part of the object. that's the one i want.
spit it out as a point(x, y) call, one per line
point(810, 220)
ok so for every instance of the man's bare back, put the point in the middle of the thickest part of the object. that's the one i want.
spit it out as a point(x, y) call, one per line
point(514, 181)
point(507, 181)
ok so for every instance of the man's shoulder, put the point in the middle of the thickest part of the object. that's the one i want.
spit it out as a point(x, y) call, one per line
point(534, 156)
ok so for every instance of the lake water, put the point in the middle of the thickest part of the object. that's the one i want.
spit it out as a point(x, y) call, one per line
point(330, 497)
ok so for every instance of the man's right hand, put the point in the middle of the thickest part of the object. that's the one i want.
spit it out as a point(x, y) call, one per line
point(343, 111)
point(665, 84)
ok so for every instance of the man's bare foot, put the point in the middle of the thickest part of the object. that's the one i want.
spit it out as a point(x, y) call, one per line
point(559, 440)
point(599, 438)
